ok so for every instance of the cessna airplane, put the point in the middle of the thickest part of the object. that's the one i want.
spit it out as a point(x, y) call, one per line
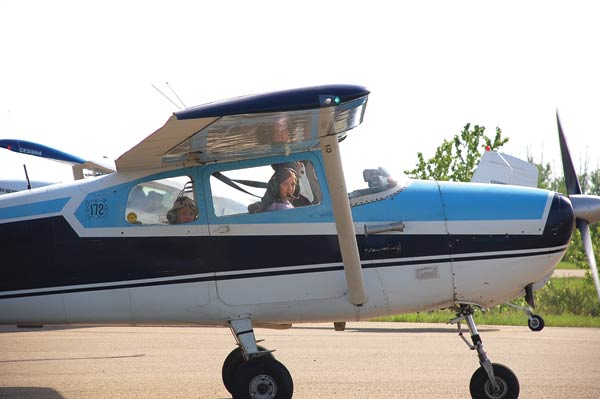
point(113, 250)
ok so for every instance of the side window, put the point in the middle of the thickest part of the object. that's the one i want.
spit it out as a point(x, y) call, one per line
point(265, 188)
point(164, 201)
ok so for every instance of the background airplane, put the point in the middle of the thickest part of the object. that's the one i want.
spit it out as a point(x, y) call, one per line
point(395, 246)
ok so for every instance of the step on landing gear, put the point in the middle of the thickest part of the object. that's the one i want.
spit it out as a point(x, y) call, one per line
point(251, 371)
point(491, 380)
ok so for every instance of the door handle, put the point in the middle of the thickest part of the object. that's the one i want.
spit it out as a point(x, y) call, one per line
point(222, 229)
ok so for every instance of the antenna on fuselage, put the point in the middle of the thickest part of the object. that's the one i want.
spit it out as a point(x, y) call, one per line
point(173, 91)
point(27, 177)
point(167, 97)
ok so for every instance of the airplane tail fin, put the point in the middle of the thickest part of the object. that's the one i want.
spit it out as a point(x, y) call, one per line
point(498, 168)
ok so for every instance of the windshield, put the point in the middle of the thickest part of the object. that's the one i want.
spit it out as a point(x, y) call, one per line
point(378, 183)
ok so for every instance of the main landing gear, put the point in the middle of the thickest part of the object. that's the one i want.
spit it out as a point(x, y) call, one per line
point(491, 380)
point(250, 371)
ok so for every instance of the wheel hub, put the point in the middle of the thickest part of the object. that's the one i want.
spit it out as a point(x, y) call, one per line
point(263, 387)
point(534, 323)
point(498, 393)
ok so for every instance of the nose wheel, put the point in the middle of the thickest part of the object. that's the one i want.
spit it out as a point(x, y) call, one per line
point(491, 380)
point(535, 322)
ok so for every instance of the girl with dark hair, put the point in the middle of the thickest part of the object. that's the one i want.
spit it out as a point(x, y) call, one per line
point(281, 191)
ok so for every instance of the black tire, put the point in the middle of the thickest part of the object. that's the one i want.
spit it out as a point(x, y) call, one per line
point(481, 386)
point(231, 364)
point(263, 378)
point(536, 323)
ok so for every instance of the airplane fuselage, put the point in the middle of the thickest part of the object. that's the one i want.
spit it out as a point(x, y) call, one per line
point(71, 256)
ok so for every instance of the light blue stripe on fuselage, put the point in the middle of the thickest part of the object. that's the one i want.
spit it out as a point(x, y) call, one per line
point(422, 200)
point(469, 201)
point(419, 201)
point(34, 209)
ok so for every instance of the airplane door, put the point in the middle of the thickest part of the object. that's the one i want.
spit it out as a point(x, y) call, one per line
point(270, 256)
point(167, 251)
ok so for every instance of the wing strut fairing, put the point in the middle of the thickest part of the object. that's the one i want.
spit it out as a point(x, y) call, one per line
point(343, 219)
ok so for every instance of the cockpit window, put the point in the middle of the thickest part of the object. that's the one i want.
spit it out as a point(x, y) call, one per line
point(265, 188)
point(380, 184)
point(164, 201)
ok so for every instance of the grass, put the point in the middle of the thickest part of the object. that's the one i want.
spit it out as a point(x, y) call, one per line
point(563, 302)
point(566, 265)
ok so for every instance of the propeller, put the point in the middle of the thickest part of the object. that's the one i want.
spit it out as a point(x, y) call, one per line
point(586, 208)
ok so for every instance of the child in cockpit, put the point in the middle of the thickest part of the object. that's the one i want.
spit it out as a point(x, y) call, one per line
point(184, 210)
point(281, 191)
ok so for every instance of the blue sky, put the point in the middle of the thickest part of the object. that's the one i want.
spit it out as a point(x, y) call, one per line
point(78, 75)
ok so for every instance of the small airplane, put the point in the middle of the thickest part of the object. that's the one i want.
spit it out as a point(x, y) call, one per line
point(236, 214)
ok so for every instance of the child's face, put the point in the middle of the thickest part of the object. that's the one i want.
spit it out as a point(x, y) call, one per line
point(185, 215)
point(287, 188)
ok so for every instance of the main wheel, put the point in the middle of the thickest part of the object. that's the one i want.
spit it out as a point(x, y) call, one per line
point(535, 323)
point(263, 378)
point(231, 364)
point(481, 386)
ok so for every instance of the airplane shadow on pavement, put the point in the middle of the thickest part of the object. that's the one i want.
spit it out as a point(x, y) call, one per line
point(29, 393)
point(411, 330)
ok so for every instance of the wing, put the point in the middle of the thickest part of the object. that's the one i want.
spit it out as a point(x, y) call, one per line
point(42, 151)
point(249, 127)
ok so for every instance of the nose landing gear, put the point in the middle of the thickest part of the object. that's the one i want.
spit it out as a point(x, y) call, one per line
point(491, 380)
point(535, 322)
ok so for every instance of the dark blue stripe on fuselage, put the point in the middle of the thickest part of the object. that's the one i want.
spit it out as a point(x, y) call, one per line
point(243, 275)
point(46, 253)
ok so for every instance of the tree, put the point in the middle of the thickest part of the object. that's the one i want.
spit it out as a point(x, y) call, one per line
point(457, 159)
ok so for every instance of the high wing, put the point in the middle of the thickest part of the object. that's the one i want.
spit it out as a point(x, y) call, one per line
point(248, 127)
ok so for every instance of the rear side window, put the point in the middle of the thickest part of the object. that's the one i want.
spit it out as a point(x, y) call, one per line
point(164, 201)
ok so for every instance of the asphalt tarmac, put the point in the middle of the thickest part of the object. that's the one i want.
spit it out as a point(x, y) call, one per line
point(368, 360)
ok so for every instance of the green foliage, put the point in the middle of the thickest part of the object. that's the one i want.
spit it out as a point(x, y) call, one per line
point(564, 265)
point(457, 159)
point(595, 182)
point(568, 295)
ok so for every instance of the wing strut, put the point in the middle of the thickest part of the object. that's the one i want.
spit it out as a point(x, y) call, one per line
point(343, 219)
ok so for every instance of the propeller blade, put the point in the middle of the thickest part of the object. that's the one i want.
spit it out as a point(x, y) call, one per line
point(571, 180)
point(586, 239)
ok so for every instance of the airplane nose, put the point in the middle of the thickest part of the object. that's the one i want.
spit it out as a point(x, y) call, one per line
point(560, 222)
point(586, 207)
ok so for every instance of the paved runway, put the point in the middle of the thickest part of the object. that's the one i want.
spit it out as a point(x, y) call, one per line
point(368, 360)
